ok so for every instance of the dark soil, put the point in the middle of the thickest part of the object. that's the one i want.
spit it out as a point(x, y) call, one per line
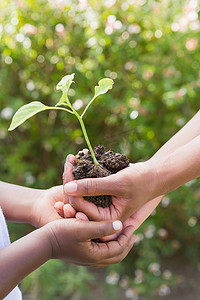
point(109, 163)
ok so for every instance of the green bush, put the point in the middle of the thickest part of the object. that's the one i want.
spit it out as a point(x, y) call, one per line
point(151, 50)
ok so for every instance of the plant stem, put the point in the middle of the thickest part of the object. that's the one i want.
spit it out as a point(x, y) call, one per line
point(84, 133)
point(87, 106)
point(87, 140)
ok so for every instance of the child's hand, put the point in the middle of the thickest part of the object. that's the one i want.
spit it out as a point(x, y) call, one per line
point(71, 240)
point(42, 209)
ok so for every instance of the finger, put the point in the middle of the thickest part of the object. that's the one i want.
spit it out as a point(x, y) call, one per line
point(114, 248)
point(95, 230)
point(122, 240)
point(88, 208)
point(118, 258)
point(59, 208)
point(85, 151)
point(69, 211)
point(110, 237)
point(81, 216)
point(70, 158)
point(67, 176)
point(95, 186)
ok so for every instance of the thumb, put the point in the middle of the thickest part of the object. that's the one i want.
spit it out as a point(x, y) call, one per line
point(93, 186)
point(95, 230)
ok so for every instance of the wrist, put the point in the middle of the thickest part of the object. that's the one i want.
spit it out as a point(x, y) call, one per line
point(178, 167)
point(144, 178)
point(18, 204)
point(52, 240)
point(35, 197)
point(46, 245)
point(156, 182)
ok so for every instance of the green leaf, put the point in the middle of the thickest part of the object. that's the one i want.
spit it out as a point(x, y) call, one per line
point(25, 112)
point(104, 85)
point(64, 86)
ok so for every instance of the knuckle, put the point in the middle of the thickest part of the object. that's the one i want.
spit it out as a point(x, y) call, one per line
point(72, 201)
point(90, 187)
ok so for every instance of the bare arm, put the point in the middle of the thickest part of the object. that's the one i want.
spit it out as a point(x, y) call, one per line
point(182, 137)
point(178, 167)
point(34, 206)
point(17, 201)
point(21, 258)
point(177, 161)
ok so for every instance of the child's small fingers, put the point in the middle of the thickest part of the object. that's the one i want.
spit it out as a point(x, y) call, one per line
point(81, 216)
point(110, 237)
point(69, 211)
point(118, 258)
point(85, 151)
point(115, 247)
point(59, 208)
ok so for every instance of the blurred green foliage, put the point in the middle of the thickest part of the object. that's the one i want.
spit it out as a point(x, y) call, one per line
point(151, 50)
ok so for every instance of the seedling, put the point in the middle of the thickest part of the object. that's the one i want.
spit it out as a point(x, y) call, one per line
point(29, 110)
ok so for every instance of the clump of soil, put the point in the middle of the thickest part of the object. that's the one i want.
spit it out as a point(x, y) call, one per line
point(109, 163)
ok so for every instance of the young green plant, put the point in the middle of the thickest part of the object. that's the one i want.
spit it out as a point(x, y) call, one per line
point(29, 110)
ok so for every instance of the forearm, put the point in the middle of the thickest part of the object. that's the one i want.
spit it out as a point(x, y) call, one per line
point(178, 167)
point(182, 137)
point(21, 258)
point(16, 201)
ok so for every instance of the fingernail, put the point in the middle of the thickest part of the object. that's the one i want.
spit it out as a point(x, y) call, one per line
point(70, 187)
point(69, 157)
point(85, 151)
point(117, 225)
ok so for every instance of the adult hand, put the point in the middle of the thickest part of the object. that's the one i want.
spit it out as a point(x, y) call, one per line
point(130, 188)
point(72, 241)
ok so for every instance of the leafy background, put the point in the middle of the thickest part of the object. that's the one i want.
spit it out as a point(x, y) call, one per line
point(151, 51)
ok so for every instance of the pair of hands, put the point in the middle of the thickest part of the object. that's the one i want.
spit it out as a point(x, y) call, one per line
point(69, 235)
point(72, 239)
